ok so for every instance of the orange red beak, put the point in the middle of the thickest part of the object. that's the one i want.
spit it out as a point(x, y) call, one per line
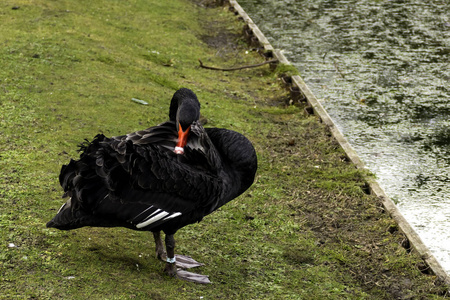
point(182, 139)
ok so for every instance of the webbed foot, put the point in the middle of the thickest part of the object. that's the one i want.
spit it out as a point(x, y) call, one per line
point(175, 264)
point(189, 276)
point(170, 269)
point(182, 262)
point(186, 262)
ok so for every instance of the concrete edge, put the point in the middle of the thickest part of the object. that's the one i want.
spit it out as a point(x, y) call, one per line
point(255, 36)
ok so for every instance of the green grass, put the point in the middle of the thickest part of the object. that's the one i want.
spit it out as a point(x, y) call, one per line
point(305, 230)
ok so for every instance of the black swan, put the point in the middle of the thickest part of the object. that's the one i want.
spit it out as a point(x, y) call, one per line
point(159, 179)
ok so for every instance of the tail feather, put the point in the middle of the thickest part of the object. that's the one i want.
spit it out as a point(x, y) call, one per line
point(66, 218)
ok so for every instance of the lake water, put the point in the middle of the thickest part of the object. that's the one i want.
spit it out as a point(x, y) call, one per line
point(382, 71)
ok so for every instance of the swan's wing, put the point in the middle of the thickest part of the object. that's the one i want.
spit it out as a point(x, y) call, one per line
point(164, 135)
point(201, 151)
point(142, 183)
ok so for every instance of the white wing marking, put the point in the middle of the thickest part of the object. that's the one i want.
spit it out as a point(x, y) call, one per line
point(172, 216)
point(156, 216)
point(142, 212)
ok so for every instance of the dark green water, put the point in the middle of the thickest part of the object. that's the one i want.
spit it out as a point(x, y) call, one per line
point(382, 70)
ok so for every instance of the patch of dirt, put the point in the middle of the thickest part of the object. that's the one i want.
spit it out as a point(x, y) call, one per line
point(222, 40)
point(227, 42)
point(209, 3)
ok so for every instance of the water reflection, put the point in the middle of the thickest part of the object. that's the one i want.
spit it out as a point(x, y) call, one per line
point(382, 70)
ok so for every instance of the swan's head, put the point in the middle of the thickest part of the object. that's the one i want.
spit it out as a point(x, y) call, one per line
point(184, 110)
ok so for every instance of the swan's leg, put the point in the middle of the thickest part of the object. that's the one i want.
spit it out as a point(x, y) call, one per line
point(171, 268)
point(184, 261)
point(160, 254)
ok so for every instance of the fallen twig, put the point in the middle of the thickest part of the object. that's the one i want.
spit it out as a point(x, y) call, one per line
point(237, 68)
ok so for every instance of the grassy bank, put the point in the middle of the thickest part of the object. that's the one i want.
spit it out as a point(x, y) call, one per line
point(305, 230)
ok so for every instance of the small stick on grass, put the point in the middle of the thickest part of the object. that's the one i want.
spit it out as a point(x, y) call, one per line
point(237, 68)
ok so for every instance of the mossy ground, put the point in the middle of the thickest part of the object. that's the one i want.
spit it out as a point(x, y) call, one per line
point(305, 230)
